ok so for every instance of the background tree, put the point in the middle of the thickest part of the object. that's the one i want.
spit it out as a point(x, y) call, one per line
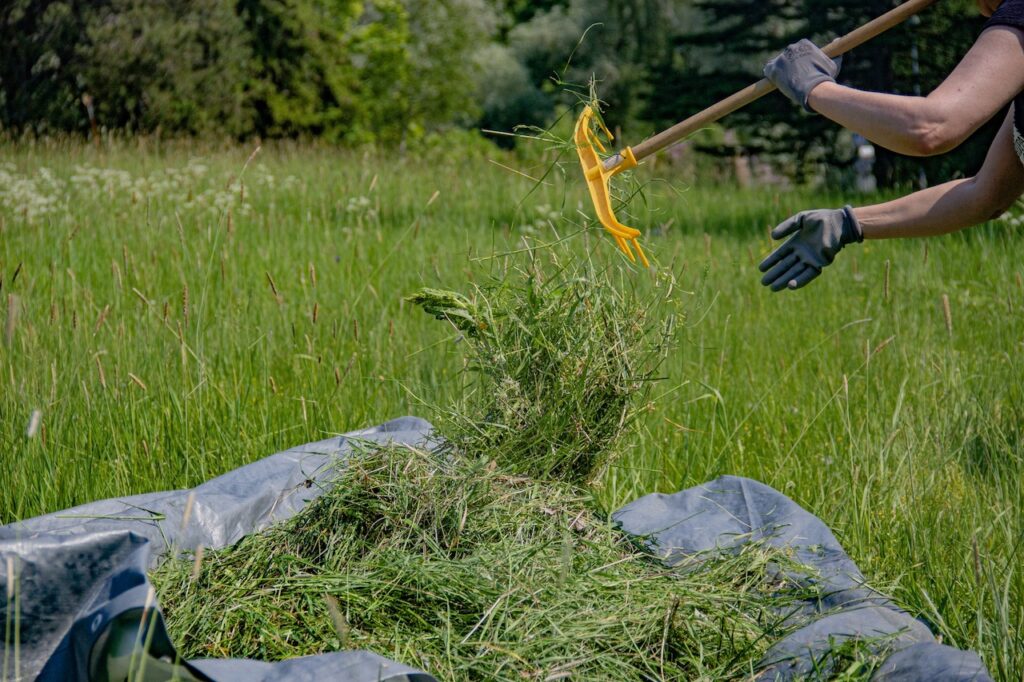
point(178, 64)
point(302, 77)
point(39, 85)
point(393, 71)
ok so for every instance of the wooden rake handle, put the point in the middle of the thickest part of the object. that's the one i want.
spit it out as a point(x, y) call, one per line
point(754, 92)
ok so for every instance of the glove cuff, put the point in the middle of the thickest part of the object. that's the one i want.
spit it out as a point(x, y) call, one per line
point(810, 85)
point(852, 231)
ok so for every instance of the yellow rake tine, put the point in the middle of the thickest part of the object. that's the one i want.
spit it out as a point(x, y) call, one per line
point(640, 252)
point(618, 231)
point(624, 247)
point(623, 231)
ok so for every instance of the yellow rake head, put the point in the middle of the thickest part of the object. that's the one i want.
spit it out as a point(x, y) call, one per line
point(587, 145)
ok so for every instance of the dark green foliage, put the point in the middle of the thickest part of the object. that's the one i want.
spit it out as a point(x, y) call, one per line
point(301, 79)
point(384, 70)
point(517, 102)
point(524, 10)
point(351, 70)
point(623, 38)
point(179, 65)
point(37, 80)
point(395, 71)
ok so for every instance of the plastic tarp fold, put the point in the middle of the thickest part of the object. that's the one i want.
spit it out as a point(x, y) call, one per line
point(731, 511)
point(71, 574)
point(76, 571)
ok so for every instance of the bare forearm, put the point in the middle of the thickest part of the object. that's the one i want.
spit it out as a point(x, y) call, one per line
point(906, 125)
point(953, 205)
point(988, 77)
point(933, 211)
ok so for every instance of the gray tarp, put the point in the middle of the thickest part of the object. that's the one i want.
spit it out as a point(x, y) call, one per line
point(79, 569)
point(76, 572)
point(729, 511)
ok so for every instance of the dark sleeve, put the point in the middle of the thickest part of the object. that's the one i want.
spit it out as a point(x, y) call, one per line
point(1010, 13)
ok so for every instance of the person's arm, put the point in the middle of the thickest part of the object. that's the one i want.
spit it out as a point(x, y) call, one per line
point(954, 205)
point(987, 78)
point(817, 236)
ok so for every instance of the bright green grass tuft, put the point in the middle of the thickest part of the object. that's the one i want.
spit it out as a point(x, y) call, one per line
point(561, 358)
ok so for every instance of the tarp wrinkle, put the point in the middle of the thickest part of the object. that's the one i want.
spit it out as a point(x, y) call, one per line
point(75, 572)
point(697, 521)
point(78, 570)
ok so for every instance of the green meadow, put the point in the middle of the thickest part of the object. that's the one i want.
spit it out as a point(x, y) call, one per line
point(173, 311)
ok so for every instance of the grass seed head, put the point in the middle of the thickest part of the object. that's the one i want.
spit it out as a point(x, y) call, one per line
point(12, 319)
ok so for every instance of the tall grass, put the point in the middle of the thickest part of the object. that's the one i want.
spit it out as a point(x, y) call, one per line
point(900, 431)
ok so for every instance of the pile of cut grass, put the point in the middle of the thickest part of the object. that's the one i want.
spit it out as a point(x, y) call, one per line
point(470, 573)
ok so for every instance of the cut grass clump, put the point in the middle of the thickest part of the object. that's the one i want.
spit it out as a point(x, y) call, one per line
point(452, 566)
point(559, 366)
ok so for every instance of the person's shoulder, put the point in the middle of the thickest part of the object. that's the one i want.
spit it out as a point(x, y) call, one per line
point(1009, 13)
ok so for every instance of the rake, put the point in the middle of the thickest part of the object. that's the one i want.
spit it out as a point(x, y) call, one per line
point(598, 172)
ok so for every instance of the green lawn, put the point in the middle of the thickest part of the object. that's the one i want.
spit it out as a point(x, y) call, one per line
point(170, 323)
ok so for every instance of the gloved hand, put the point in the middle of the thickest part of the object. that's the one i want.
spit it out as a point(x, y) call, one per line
point(817, 237)
point(800, 68)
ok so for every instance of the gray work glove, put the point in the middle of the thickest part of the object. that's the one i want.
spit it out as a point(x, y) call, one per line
point(800, 68)
point(817, 237)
